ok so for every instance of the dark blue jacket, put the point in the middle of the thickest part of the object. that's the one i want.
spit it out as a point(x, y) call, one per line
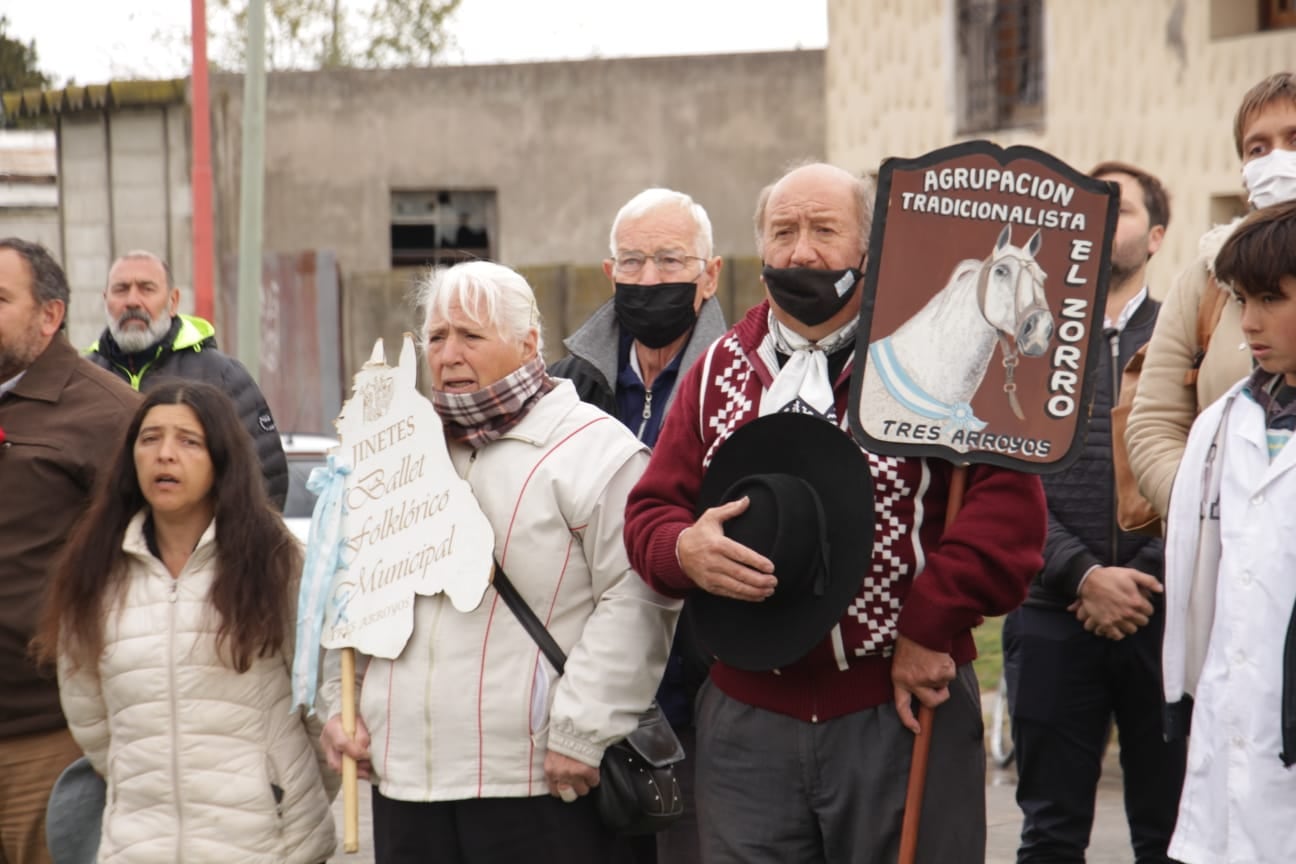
point(1082, 530)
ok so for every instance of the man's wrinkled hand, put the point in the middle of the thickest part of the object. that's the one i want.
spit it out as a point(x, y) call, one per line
point(919, 672)
point(722, 566)
point(1115, 601)
point(336, 743)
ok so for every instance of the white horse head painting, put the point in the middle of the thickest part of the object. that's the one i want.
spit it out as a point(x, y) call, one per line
point(927, 371)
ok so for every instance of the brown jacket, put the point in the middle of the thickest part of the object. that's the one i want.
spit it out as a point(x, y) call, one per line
point(62, 426)
point(1164, 406)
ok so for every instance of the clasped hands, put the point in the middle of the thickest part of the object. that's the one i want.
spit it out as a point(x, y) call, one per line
point(1114, 602)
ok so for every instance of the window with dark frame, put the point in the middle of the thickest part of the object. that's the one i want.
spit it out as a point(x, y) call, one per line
point(1277, 14)
point(431, 227)
point(1000, 64)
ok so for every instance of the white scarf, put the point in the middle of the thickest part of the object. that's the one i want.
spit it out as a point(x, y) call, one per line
point(802, 384)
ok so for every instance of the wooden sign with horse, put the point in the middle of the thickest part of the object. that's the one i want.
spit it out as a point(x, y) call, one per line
point(977, 254)
point(983, 302)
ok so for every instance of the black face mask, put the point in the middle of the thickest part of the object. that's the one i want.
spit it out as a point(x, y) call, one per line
point(658, 314)
point(811, 296)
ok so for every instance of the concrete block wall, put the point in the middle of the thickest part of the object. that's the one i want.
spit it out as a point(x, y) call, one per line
point(563, 144)
point(87, 236)
point(38, 224)
point(124, 182)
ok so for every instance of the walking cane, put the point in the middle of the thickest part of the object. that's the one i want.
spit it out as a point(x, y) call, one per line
point(926, 716)
point(350, 785)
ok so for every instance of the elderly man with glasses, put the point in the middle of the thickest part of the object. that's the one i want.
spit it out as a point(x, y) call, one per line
point(662, 315)
point(626, 359)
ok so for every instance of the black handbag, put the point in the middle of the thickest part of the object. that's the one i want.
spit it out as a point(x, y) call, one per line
point(637, 792)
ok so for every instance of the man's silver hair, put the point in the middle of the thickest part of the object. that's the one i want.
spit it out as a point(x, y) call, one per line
point(864, 191)
point(491, 295)
point(656, 198)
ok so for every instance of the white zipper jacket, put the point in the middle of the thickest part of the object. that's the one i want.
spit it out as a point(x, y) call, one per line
point(202, 763)
point(470, 707)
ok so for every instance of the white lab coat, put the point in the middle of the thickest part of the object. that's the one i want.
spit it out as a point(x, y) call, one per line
point(1238, 800)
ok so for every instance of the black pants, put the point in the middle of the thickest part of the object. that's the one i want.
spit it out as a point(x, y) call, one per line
point(538, 830)
point(1068, 685)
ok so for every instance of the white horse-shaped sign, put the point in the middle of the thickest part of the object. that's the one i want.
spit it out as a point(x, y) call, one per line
point(928, 370)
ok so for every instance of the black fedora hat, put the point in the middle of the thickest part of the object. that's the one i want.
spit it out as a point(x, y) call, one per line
point(811, 513)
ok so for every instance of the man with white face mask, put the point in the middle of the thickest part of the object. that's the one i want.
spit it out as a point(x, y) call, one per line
point(147, 340)
point(1179, 378)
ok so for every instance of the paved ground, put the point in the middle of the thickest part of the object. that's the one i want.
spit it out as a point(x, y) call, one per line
point(1110, 843)
point(366, 854)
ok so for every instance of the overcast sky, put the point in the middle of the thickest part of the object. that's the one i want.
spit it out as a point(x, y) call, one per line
point(93, 41)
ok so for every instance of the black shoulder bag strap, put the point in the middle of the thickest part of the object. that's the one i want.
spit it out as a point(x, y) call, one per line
point(653, 740)
point(528, 619)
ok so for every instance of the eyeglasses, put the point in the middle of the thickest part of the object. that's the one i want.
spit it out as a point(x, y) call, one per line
point(666, 262)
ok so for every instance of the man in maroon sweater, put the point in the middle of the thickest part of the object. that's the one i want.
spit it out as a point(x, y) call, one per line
point(809, 762)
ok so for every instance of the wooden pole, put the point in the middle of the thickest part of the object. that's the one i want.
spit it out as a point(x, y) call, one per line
point(350, 785)
point(926, 716)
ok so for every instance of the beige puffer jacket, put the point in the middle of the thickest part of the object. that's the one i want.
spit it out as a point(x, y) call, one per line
point(193, 752)
point(1164, 406)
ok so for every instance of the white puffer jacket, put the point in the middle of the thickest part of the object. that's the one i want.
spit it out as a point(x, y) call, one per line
point(202, 763)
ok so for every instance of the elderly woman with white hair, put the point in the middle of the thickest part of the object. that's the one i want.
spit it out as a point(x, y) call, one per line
point(478, 751)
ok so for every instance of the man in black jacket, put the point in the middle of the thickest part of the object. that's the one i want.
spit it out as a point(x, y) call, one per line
point(1086, 646)
point(626, 359)
point(663, 313)
point(146, 341)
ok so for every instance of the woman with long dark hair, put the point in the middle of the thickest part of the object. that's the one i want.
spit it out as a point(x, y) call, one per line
point(171, 618)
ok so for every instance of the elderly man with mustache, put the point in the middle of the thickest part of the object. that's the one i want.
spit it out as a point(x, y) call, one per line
point(146, 340)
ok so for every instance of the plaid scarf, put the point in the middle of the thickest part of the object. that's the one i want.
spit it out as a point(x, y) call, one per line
point(478, 418)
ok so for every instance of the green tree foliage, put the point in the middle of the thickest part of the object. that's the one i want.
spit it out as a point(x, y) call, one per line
point(18, 71)
point(330, 34)
point(18, 62)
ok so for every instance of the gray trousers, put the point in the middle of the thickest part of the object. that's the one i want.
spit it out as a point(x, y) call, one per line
point(774, 789)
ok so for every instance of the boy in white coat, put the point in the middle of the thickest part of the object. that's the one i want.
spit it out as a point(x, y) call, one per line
point(1229, 655)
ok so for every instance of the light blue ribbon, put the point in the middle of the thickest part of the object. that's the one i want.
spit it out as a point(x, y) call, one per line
point(323, 560)
point(911, 395)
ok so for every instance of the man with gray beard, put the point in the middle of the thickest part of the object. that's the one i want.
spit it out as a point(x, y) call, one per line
point(146, 340)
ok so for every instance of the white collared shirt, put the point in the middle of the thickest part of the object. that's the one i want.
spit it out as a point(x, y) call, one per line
point(1128, 312)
